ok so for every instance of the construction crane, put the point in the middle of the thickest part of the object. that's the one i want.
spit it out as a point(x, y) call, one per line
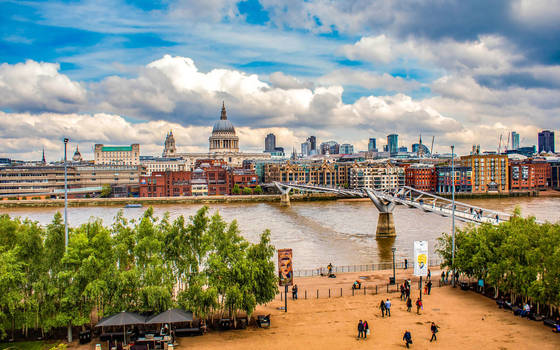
point(500, 144)
point(432, 148)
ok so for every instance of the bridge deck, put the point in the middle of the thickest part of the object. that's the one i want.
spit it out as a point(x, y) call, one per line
point(413, 198)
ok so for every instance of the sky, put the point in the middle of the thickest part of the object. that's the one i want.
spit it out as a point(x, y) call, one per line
point(123, 71)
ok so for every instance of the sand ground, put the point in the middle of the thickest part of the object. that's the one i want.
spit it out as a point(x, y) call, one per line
point(467, 320)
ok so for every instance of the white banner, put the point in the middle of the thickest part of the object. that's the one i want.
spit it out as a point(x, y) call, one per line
point(421, 258)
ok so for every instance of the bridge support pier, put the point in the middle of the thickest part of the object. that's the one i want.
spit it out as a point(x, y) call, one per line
point(285, 199)
point(386, 225)
point(386, 222)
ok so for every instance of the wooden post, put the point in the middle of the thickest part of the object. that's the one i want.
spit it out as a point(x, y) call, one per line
point(317, 293)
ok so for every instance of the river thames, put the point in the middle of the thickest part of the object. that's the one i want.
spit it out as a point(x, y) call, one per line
point(341, 232)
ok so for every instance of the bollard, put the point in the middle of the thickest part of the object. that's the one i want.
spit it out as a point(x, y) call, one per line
point(376, 289)
point(341, 292)
point(306, 294)
point(329, 292)
point(280, 296)
point(364, 290)
point(317, 293)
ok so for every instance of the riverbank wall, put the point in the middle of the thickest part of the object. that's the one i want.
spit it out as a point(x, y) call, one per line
point(147, 201)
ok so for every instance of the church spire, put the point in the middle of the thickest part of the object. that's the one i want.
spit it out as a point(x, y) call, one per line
point(224, 115)
point(44, 160)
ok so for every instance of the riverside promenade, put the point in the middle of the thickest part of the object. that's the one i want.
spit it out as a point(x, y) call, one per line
point(147, 201)
point(467, 320)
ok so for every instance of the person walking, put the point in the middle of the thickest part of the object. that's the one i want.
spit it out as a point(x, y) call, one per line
point(418, 306)
point(408, 304)
point(429, 286)
point(434, 330)
point(442, 277)
point(366, 329)
point(446, 276)
point(294, 292)
point(425, 288)
point(402, 291)
point(388, 307)
point(360, 329)
point(407, 337)
point(405, 264)
point(382, 307)
point(429, 274)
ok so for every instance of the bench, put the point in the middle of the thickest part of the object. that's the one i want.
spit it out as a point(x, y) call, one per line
point(549, 322)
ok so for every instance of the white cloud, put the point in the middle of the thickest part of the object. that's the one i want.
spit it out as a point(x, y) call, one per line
point(284, 81)
point(488, 54)
point(537, 13)
point(368, 80)
point(38, 86)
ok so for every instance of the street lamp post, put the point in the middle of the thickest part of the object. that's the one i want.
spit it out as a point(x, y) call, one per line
point(394, 280)
point(453, 212)
point(65, 197)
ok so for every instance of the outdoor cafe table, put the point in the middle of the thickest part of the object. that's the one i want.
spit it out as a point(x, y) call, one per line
point(151, 341)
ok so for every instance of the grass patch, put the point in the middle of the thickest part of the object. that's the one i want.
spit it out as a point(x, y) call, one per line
point(28, 345)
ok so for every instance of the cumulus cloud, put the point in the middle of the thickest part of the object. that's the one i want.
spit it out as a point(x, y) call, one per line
point(368, 80)
point(284, 81)
point(38, 86)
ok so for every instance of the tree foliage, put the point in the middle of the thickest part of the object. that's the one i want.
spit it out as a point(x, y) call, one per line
point(147, 265)
point(519, 257)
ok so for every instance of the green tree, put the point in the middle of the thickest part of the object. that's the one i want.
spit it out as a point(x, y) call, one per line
point(258, 189)
point(106, 191)
point(247, 191)
point(236, 189)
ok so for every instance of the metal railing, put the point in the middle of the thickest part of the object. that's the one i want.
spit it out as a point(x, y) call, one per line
point(365, 289)
point(323, 271)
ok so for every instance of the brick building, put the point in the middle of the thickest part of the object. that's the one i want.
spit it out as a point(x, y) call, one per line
point(210, 177)
point(529, 174)
point(489, 172)
point(421, 176)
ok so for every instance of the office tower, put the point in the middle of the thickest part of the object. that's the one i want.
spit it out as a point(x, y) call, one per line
point(372, 146)
point(313, 141)
point(346, 148)
point(514, 140)
point(546, 141)
point(270, 143)
point(305, 148)
point(393, 143)
point(331, 147)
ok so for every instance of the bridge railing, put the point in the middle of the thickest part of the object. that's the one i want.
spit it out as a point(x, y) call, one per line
point(359, 268)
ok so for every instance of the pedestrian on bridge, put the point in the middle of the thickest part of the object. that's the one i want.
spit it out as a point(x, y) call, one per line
point(429, 285)
point(442, 277)
point(382, 307)
point(408, 304)
point(360, 329)
point(434, 330)
point(405, 264)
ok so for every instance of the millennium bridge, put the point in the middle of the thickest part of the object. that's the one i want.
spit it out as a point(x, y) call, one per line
point(386, 200)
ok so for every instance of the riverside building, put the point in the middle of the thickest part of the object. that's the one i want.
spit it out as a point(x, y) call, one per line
point(489, 172)
point(117, 155)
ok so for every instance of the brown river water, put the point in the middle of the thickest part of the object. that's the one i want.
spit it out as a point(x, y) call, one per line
point(341, 232)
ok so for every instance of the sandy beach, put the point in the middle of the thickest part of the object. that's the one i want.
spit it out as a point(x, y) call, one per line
point(467, 320)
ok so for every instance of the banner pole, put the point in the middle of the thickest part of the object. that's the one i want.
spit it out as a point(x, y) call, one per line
point(286, 298)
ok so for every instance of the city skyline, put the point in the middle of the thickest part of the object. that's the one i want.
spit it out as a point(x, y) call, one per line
point(113, 72)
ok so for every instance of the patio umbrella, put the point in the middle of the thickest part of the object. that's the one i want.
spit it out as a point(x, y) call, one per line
point(171, 316)
point(122, 319)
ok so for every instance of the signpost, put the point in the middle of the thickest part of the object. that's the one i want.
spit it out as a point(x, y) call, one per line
point(421, 261)
point(285, 272)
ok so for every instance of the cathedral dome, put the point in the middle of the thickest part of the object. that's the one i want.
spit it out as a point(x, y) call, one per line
point(77, 155)
point(223, 126)
point(223, 137)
